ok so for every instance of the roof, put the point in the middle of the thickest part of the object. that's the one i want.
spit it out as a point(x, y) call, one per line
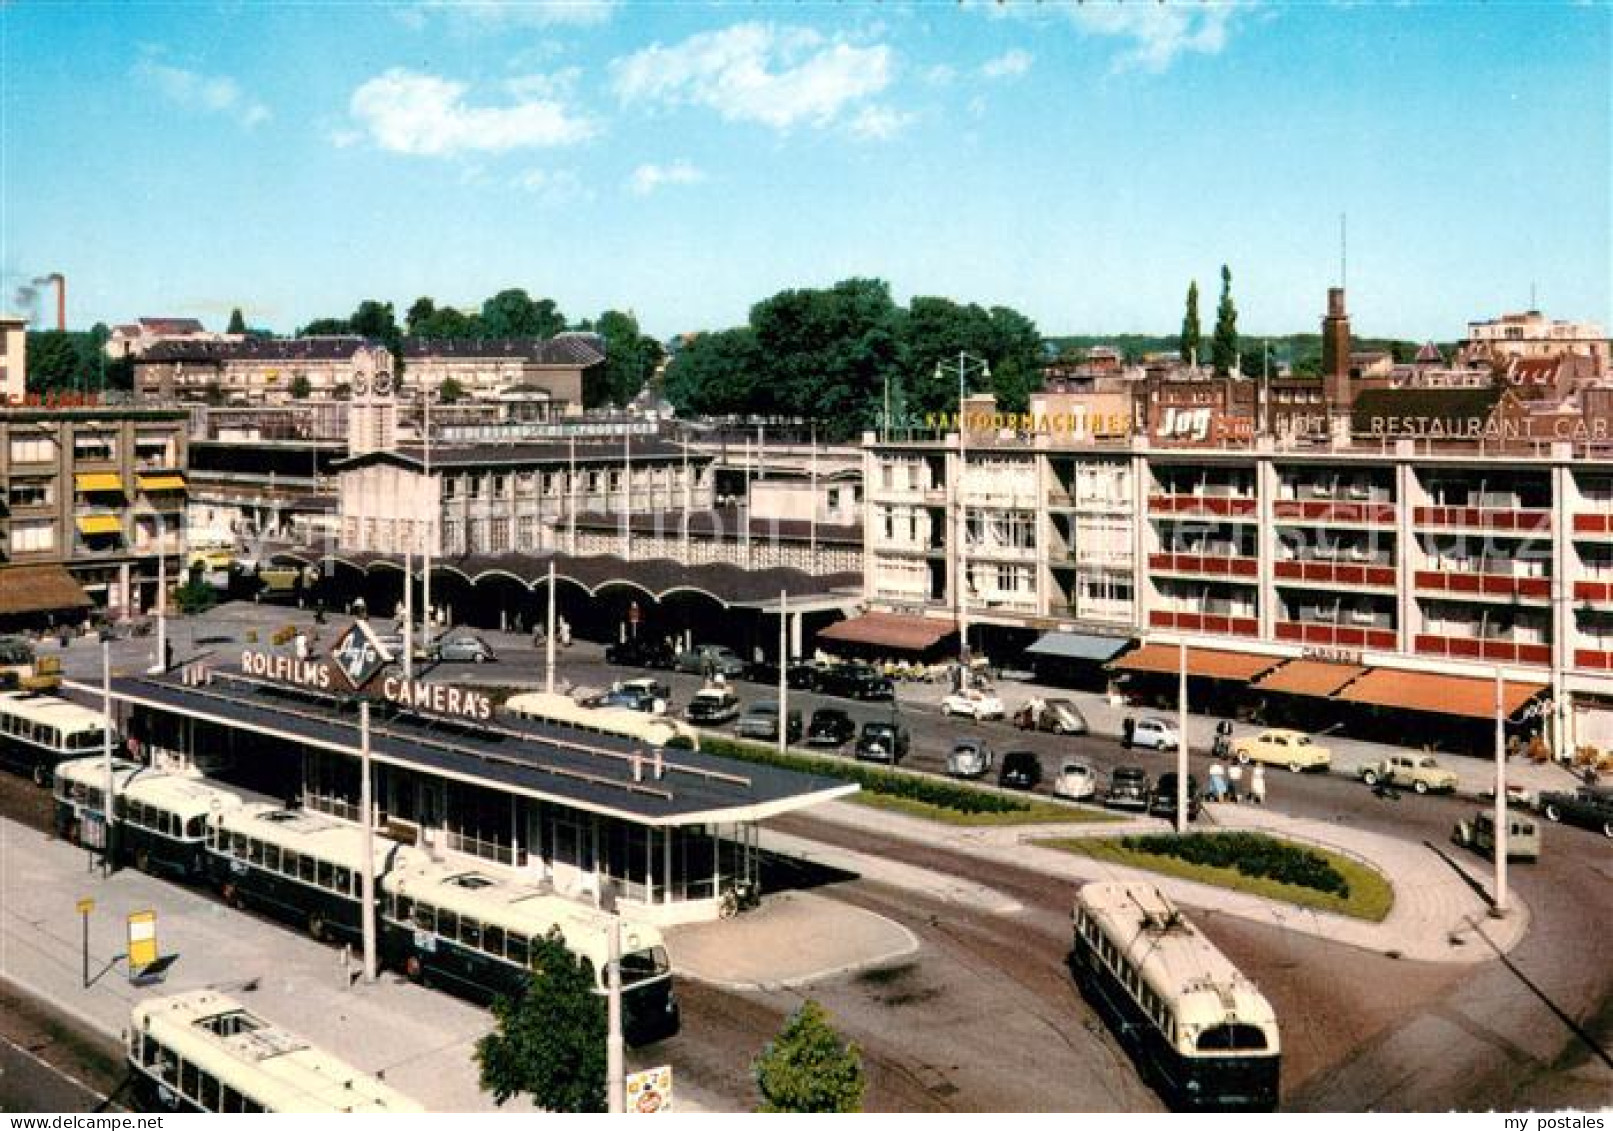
point(1078, 646)
point(590, 772)
point(552, 453)
point(891, 630)
point(1308, 677)
point(1448, 411)
point(39, 589)
point(725, 522)
point(172, 326)
point(1467, 696)
point(1208, 663)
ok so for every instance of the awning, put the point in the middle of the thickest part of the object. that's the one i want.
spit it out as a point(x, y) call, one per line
point(1308, 677)
point(99, 524)
point(170, 482)
point(1209, 663)
point(1468, 696)
point(39, 589)
point(92, 481)
point(891, 630)
point(1078, 646)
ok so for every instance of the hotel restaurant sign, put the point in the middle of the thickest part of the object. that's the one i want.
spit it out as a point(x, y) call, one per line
point(354, 664)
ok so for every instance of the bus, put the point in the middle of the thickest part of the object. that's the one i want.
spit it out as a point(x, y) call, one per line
point(202, 1051)
point(299, 866)
point(38, 731)
point(164, 819)
point(615, 722)
point(471, 932)
point(1201, 1033)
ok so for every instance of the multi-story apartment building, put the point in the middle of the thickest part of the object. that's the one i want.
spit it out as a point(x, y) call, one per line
point(1453, 552)
point(1532, 335)
point(91, 498)
point(541, 373)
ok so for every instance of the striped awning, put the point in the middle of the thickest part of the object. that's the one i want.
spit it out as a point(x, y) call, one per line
point(99, 524)
point(93, 481)
point(1308, 677)
point(1472, 697)
point(1206, 663)
point(170, 481)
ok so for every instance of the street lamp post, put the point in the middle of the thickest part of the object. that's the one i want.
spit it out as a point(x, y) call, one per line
point(966, 364)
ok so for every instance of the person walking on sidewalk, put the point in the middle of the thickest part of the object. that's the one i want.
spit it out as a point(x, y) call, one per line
point(1257, 786)
point(1218, 781)
point(1235, 782)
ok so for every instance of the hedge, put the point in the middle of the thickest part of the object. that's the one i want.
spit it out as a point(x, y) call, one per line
point(1252, 854)
point(930, 791)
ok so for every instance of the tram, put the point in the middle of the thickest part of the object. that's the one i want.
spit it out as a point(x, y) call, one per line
point(1201, 1033)
point(38, 731)
point(615, 722)
point(164, 819)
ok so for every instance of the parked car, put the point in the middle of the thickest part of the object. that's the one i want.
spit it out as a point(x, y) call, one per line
point(799, 676)
point(1478, 833)
point(648, 688)
point(1022, 769)
point(1077, 781)
point(970, 758)
point(641, 653)
point(462, 649)
point(710, 659)
point(711, 706)
point(633, 696)
point(1417, 772)
point(760, 720)
point(854, 681)
point(830, 726)
point(1288, 748)
point(1521, 796)
point(883, 742)
point(1128, 789)
point(1149, 734)
point(1163, 801)
point(1054, 716)
point(978, 705)
point(1589, 805)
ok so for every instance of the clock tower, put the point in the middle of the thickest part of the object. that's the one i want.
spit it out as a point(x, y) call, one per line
point(372, 415)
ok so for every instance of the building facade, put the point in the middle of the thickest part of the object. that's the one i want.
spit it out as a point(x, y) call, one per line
point(1532, 335)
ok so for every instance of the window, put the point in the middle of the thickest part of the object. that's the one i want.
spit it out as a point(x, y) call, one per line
point(448, 925)
point(40, 494)
point(255, 852)
point(32, 449)
point(515, 949)
point(93, 446)
point(33, 537)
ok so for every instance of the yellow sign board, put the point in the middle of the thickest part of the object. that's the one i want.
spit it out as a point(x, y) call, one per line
point(85, 906)
point(142, 939)
point(650, 1091)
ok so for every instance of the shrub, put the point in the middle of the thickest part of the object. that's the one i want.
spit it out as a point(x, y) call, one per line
point(1251, 854)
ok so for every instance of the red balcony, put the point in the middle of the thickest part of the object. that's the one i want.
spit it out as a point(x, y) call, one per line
point(1204, 564)
point(1215, 623)
point(1336, 635)
point(1593, 591)
point(1334, 573)
point(1593, 659)
point(1328, 511)
point(1484, 584)
point(1202, 506)
point(1518, 520)
point(1471, 648)
point(1593, 523)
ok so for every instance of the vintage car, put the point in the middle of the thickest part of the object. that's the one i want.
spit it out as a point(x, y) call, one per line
point(1289, 748)
point(1420, 773)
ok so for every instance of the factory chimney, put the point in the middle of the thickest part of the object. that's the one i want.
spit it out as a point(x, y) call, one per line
point(61, 298)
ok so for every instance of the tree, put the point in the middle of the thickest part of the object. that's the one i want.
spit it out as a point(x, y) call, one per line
point(513, 314)
point(549, 1043)
point(56, 361)
point(237, 322)
point(300, 388)
point(716, 374)
point(630, 360)
point(1224, 344)
point(450, 391)
point(374, 320)
point(420, 313)
point(808, 1068)
point(1191, 335)
point(326, 328)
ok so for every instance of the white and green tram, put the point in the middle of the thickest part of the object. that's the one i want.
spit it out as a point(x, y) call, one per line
point(164, 818)
point(203, 1052)
point(39, 731)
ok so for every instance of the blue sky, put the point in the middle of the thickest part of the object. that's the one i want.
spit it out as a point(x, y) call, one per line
point(1080, 163)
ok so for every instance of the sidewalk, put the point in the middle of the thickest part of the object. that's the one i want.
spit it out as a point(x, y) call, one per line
point(1475, 776)
point(1437, 914)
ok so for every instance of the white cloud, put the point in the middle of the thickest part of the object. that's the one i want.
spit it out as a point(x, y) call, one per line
point(879, 123)
point(939, 75)
point(647, 178)
point(1010, 64)
point(1160, 33)
point(213, 94)
point(494, 15)
point(407, 112)
point(558, 85)
point(552, 187)
point(777, 77)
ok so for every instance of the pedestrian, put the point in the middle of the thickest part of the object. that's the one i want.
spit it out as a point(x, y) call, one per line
point(1128, 728)
point(1257, 786)
point(168, 655)
point(539, 637)
point(1218, 781)
point(1235, 782)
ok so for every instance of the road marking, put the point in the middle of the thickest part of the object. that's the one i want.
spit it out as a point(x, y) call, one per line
point(49, 1067)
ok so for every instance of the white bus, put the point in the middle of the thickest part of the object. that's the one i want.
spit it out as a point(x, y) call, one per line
point(38, 731)
point(472, 931)
point(1200, 1031)
point(617, 722)
point(164, 818)
point(203, 1052)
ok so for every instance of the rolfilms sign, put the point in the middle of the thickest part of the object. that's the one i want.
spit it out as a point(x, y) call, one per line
point(414, 694)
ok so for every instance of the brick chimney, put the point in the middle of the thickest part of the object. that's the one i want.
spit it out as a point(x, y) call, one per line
point(1336, 351)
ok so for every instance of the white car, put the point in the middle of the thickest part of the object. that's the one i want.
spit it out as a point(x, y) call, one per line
point(1151, 734)
point(1076, 781)
point(976, 704)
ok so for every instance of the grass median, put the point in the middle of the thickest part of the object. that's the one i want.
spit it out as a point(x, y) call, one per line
point(1367, 894)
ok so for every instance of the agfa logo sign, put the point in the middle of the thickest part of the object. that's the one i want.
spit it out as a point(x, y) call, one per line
point(358, 655)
